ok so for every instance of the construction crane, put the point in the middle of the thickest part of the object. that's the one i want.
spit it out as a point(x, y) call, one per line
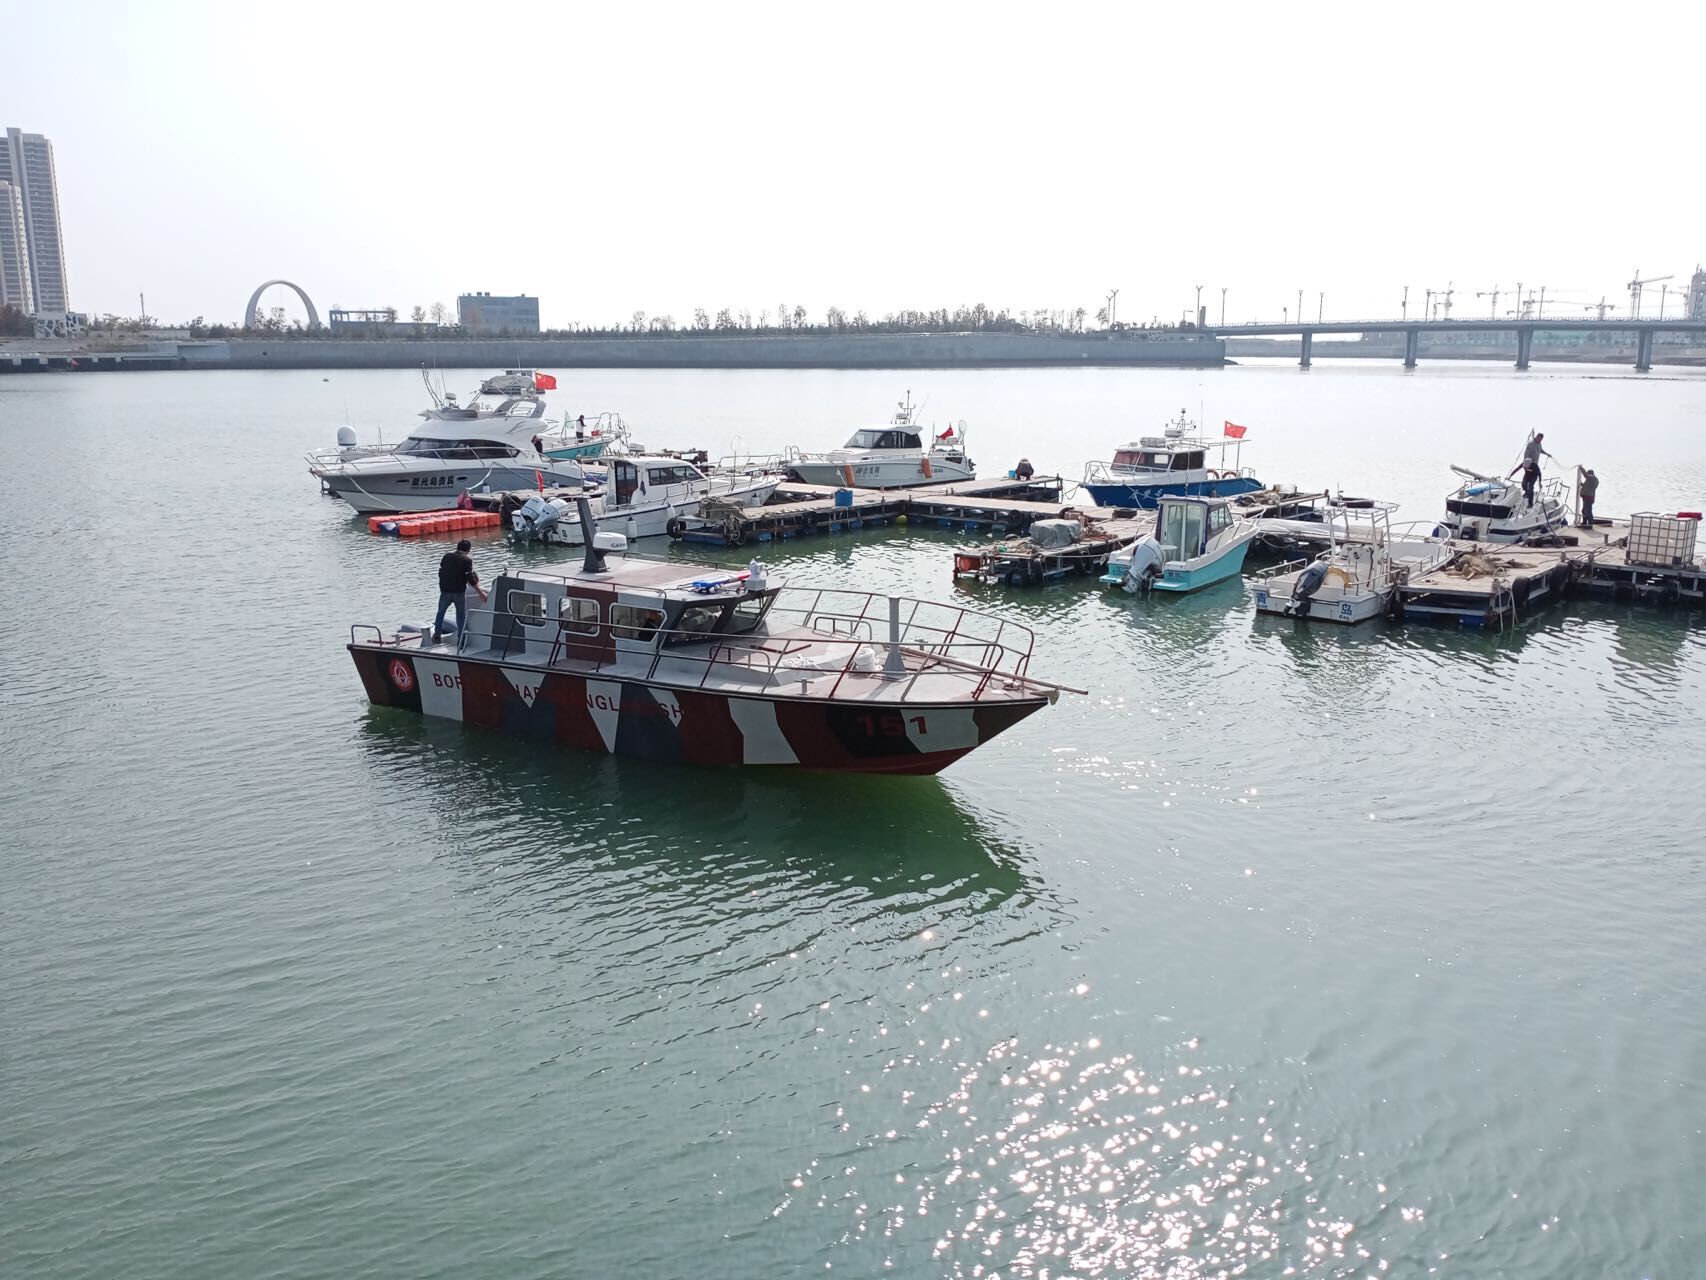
point(1493, 307)
point(1635, 286)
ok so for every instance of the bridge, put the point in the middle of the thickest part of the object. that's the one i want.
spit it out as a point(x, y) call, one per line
point(1642, 331)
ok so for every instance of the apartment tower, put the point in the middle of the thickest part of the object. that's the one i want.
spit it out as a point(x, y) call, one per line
point(29, 196)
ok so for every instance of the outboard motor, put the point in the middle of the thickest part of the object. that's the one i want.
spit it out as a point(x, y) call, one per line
point(1144, 567)
point(1308, 583)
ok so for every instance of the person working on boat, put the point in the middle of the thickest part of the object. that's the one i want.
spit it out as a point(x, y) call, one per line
point(580, 427)
point(1530, 466)
point(1587, 488)
point(1024, 471)
point(455, 575)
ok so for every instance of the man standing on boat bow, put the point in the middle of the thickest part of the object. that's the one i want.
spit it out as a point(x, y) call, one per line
point(455, 575)
point(1530, 466)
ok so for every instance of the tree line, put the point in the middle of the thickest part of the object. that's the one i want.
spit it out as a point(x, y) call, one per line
point(434, 322)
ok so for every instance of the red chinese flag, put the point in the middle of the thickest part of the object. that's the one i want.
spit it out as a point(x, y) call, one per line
point(946, 434)
point(544, 382)
point(1235, 431)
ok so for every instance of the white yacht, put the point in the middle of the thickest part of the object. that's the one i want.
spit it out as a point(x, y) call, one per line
point(642, 497)
point(1355, 578)
point(486, 444)
point(889, 457)
point(1492, 509)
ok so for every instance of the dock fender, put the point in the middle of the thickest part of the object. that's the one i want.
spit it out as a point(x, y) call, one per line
point(676, 528)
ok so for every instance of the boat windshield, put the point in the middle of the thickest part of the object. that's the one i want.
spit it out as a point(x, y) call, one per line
point(1181, 530)
point(878, 438)
point(1140, 459)
point(699, 622)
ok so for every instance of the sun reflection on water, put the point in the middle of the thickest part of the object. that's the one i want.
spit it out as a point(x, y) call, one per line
point(1071, 1161)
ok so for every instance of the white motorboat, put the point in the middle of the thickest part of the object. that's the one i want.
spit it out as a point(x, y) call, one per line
point(889, 457)
point(1493, 509)
point(1354, 579)
point(486, 444)
point(642, 496)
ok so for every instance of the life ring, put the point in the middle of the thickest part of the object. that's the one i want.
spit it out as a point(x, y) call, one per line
point(676, 528)
point(1214, 475)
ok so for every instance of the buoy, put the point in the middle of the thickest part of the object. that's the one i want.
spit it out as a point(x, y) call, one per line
point(901, 518)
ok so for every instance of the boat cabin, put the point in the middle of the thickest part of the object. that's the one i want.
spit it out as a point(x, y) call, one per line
point(643, 610)
point(1187, 527)
point(884, 438)
point(653, 481)
point(1155, 454)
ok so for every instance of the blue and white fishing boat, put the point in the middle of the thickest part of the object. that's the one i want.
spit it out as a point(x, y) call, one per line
point(1197, 542)
point(1180, 460)
point(579, 439)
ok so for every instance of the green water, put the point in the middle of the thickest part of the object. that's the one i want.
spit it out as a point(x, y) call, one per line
point(1288, 949)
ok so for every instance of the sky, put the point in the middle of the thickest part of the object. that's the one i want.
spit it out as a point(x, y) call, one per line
point(660, 157)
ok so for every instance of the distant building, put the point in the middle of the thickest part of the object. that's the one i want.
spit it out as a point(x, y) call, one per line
point(26, 165)
point(1697, 295)
point(482, 313)
point(15, 288)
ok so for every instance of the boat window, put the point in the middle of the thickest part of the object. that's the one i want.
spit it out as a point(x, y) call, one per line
point(529, 606)
point(696, 623)
point(748, 612)
point(1189, 461)
point(492, 451)
point(672, 475)
point(1218, 519)
point(866, 440)
point(630, 622)
point(578, 614)
point(905, 440)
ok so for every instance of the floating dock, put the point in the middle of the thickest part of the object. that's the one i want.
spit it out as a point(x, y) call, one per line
point(1497, 584)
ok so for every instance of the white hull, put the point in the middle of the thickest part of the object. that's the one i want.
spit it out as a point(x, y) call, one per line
point(650, 518)
point(1329, 604)
point(884, 473)
point(376, 487)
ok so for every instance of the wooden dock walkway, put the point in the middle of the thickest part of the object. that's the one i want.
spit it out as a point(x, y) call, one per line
point(1495, 584)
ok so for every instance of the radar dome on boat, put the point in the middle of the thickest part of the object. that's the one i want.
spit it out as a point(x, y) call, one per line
point(346, 437)
point(610, 541)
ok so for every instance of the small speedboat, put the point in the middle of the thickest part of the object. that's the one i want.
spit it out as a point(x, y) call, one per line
point(669, 661)
point(1180, 460)
point(1492, 509)
point(1197, 542)
point(645, 496)
point(889, 457)
point(1355, 578)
